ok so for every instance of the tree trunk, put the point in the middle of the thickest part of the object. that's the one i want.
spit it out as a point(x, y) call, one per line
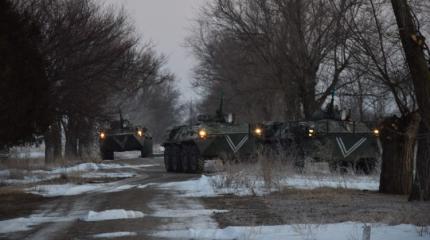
point(71, 145)
point(53, 144)
point(86, 141)
point(420, 72)
point(308, 93)
point(398, 141)
point(421, 185)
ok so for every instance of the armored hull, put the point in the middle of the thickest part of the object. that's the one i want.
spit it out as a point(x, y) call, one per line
point(124, 138)
point(186, 147)
point(343, 144)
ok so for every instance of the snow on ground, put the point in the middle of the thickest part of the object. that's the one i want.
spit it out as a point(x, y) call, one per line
point(70, 189)
point(108, 175)
point(25, 224)
point(112, 215)
point(86, 167)
point(338, 231)
point(211, 186)
point(64, 189)
point(185, 213)
point(115, 235)
point(350, 182)
point(83, 170)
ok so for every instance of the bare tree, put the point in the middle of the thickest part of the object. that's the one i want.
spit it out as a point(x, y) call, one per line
point(414, 46)
point(273, 49)
point(93, 61)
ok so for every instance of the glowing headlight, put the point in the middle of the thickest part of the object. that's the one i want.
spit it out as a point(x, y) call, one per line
point(311, 132)
point(258, 131)
point(140, 133)
point(203, 133)
point(102, 135)
point(376, 132)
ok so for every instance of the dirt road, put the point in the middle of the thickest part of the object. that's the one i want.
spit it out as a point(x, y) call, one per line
point(161, 209)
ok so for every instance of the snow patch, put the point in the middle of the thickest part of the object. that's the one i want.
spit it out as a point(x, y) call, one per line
point(108, 175)
point(73, 189)
point(64, 189)
point(112, 215)
point(312, 182)
point(338, 231)
point(4, 173)
point(25, 224)
point(115, 235)
point(186, 213)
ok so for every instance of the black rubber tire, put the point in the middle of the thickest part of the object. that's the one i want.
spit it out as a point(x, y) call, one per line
point(107, 155)
point(196, 161)
point(143, 154)
point(176, 161)
point(167, 159)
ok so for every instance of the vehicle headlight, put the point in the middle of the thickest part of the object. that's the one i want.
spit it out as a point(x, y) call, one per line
point(258, 131)
point(140, 133)
point(311, 132)
point(102, 135)
point(203, 133)
point(376, 132)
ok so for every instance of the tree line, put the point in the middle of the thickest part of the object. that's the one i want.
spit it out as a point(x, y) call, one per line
point(281, 60)
point(70, 65)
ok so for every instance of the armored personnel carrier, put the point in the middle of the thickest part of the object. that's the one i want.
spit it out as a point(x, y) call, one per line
point(330, 136)
point(188, 146)
point(121, 136)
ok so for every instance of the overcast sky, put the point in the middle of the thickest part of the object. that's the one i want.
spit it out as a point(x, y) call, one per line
point(167, 23)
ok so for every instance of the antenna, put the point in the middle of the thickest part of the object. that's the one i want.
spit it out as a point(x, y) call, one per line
point(219, 112)
point(121, 120)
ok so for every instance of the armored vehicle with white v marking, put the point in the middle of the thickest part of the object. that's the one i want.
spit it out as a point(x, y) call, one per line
point(121, 136)
point(213, 137)
point(330, 136)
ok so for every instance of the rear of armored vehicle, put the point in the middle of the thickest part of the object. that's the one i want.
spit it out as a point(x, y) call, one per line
point(343, 144)
point(188, 146)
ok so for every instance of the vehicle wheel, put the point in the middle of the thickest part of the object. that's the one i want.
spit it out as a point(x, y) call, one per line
point(185, 158)
point(143, 154)
point(176, 161)
point(107, 155)
point(168, 159)
point(196, 161)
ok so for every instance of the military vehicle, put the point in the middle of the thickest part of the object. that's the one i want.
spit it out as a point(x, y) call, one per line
point(121, 136)
point(330, 136)
point(188, 146)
